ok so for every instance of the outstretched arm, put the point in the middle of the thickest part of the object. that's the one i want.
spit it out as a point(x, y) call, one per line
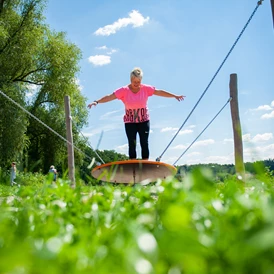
point(104, 99)
point(167, 94)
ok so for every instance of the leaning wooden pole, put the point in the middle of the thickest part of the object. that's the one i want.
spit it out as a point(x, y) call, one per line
point(70, 141)
point(272, 7)
point(237, 131)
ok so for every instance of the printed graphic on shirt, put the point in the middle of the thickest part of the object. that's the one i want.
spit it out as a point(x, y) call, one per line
point(136, 110)
point(138, 115)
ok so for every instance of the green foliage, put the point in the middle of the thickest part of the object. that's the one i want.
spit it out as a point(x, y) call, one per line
point(31, 179)
point(4, 176)
point(34, 57)
point(189, 226)
point(13, 125)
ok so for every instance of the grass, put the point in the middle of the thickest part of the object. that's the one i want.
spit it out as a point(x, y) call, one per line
point(191, 226)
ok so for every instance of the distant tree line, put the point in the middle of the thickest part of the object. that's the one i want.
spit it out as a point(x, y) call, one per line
point(92, 157)
point(221, 172)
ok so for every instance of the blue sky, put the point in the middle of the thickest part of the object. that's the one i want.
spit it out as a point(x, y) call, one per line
point(179, 45)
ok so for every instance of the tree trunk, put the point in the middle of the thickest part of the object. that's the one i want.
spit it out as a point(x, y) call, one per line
point(1, 5)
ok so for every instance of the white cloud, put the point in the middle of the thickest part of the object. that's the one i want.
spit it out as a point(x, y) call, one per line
point(248, 152)
point(192, 126)
point(262, 137)
point(99, 60)
point(228, 140)
point(169, 129)
point(105, 128)
point(269, 148)
point(102, 48)
point(179, 147)
point(111, 51)
point(193, 154)
point(204, 143)
point(88, 134)
point(186, 131)
point(191, 162)
point(171, 160)
point(264, 107)
point(182, 132)
point(259, 153)
point(135, 19)
point(268, 115)
point(246, 137)
point(77, 82)
point(197, 144)
point(257, 138)
point(219, 159)
point(109, 115)
point(122, 149)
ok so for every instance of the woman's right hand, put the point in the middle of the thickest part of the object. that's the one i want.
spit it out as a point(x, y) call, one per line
point(92, 104)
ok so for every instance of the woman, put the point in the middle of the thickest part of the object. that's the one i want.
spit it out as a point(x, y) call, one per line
point(53, 171)
point(136, 118)
point(13, 174)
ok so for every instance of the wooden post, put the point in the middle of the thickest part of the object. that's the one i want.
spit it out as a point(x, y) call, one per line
point(272, 7)
point(70, 140)
point(237, 131)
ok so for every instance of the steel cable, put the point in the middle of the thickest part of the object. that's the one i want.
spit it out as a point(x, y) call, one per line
point(214, 76)
point(203, 131)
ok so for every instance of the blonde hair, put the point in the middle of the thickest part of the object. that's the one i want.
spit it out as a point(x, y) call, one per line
point(136, 72)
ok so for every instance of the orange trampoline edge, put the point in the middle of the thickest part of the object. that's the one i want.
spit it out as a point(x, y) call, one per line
point(135, 162)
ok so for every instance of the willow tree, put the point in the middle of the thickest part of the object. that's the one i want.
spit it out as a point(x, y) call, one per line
point(38, 68)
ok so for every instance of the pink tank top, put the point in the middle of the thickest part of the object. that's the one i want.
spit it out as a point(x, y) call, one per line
point(136, 110)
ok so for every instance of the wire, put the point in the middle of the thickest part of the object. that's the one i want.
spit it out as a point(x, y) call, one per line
point(203, 131)
point(45, 125)
point(214, 76)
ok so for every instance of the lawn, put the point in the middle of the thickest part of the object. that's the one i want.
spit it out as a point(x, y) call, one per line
point(193, 225)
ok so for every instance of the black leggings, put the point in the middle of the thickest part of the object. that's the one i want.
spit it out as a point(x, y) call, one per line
point(143, 131)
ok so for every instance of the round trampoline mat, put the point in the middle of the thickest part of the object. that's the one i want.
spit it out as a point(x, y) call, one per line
point(133, 171)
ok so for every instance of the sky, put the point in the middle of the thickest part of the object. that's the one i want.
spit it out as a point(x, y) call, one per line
point(179, 45)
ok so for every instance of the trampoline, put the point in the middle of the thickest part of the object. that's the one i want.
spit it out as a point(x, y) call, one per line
point(133, 171)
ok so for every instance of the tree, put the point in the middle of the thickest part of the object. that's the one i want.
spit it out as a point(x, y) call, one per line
point(13, 124)
point(33, 56)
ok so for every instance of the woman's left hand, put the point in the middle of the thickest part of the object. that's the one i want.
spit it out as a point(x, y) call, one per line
point(180, 97)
